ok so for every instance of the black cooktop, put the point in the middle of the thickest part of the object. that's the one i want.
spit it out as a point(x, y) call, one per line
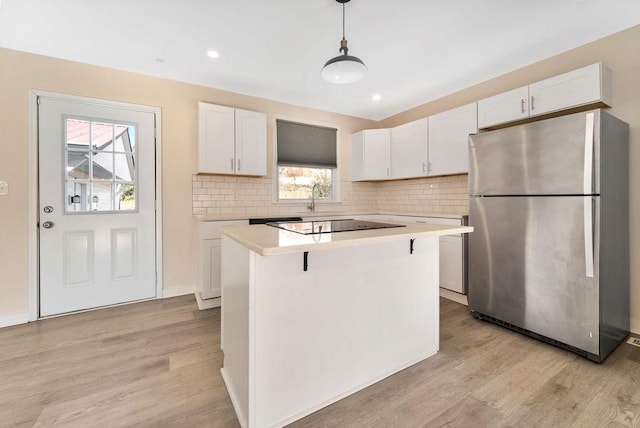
point(330, 226)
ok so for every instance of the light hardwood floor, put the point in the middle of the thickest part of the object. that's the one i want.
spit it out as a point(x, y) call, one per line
point(157, 364)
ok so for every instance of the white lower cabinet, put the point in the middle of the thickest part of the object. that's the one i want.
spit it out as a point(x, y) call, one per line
point(451, 264)
point(210, 235)
point(451, 252)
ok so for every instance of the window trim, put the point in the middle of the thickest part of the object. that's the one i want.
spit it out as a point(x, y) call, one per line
point(337, 196)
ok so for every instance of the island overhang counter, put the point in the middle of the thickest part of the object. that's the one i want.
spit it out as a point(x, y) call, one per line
point(310, 319)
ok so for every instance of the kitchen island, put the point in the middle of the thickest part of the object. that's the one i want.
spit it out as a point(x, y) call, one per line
point(310, 319)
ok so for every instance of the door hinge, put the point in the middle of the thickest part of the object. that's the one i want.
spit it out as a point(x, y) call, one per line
point(155, 132)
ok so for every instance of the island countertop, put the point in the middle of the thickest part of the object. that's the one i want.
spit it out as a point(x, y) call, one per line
point(269, 241)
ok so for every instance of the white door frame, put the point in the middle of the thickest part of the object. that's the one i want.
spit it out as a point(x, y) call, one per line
point(34, 295)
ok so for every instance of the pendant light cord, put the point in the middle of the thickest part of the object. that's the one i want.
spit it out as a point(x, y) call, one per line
point(343, 43)
point(343, 21)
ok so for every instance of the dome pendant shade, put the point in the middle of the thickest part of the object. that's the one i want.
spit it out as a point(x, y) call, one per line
point(343, 68)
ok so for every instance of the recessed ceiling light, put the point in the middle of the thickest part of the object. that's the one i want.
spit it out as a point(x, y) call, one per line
point(213, 54)
point(159, 60)
point(376, 97)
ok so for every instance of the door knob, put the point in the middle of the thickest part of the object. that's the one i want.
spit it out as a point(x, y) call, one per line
point(47, 224)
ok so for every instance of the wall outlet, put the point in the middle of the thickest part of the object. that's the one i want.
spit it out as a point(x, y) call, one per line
point(4, 188)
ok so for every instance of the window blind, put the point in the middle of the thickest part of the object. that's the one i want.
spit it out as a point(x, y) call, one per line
point(306, 145)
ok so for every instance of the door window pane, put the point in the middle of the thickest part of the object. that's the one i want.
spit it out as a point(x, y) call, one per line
point(78, 133)
point(124, 168)
point(100, 166)
point(101, 135)
point(125, 196)
point(78, 165)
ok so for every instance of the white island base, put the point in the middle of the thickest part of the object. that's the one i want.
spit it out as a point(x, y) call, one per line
point(295, 341)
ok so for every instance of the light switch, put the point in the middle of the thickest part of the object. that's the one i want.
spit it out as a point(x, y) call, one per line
point(4, 188)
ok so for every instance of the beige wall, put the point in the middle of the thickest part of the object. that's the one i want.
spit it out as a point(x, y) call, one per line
point(621, 53)
point(22, 72)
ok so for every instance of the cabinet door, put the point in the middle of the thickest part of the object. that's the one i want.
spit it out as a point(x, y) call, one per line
point(451, 258)
point(449, 140)
point(503, 108)
point(376, 154)
point(572, 89)
point(409, 149)
point(216, 139)
point(250, 143)
point(211, 282)
point(357, 156)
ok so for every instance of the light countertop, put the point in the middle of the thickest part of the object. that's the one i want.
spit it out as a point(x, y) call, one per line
point(270, 241)
point(321, 214)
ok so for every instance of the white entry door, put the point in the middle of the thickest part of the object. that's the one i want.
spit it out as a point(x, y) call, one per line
point(97, 205)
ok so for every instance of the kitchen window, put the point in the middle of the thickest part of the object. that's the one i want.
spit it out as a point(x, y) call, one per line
point(306, 158)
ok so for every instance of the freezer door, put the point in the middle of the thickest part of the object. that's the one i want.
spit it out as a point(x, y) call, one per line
point(552, 157)
point(534, 264)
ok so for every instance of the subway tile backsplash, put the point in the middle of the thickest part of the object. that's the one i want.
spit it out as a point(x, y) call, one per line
point(215, 195)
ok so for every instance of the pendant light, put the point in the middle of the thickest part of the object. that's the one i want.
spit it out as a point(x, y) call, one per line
point(343, 68)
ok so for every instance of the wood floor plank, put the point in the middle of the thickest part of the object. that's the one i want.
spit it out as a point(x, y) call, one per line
point(157, 364)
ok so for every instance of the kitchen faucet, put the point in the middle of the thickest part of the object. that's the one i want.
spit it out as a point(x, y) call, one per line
point(312, 206)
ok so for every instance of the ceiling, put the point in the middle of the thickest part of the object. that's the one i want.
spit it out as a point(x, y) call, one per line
point(416, 50)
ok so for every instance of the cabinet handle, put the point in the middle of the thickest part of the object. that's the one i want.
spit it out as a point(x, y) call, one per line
point(424, 167)
point(387, 172)
point(429, 167)
point(522, 104)
point(231, 164)
point(238, 164)
point(533, 106)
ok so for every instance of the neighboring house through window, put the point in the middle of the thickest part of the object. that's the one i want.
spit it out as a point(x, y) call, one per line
point(306, 158)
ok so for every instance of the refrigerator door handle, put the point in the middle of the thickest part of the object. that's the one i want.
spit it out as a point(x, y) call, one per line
point(588, 190)
point(588, 155)
point(588, 236)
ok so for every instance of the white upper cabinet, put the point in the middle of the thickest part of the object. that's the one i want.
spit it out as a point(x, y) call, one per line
point(449, 140)
point(370, 155)
point(251, 143)
point(409, 150)
point(216, 128)
point(586, 86)
point(231, 141)
point(503, 108)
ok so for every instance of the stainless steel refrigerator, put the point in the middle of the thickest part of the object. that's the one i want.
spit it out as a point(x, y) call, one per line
point(549, 255)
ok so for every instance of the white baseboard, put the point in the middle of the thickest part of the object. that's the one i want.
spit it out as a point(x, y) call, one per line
point(635, 326)
point(178, 291)
point(14, 319)
point(452, 295)
point(207, 303)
